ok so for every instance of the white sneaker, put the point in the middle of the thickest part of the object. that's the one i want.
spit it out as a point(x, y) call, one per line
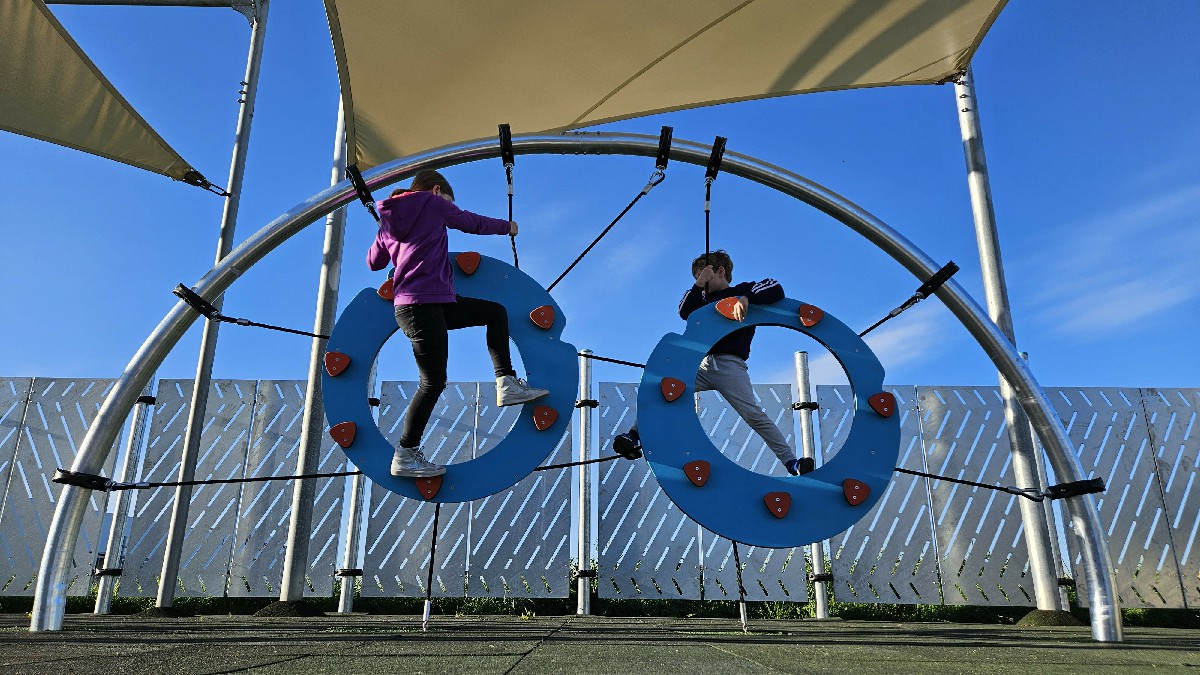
point(512, 390)
point(411, 463)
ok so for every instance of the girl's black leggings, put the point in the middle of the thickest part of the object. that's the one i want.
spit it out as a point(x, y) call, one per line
point(428, 326)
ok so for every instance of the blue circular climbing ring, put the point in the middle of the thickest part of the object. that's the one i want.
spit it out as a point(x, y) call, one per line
point(743, 505)
point(535, 325)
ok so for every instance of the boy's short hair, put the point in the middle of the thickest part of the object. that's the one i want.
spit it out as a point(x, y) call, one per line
point(717, 258)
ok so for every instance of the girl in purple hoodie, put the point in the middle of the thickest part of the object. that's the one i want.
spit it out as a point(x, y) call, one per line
point(412, 237)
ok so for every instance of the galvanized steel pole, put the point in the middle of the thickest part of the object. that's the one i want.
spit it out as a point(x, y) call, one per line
point(114, 551)
point(1037, 537)
point(54, 572)
point(208, 343)
point(312, 427)
point(583, 585)
point(808, 448)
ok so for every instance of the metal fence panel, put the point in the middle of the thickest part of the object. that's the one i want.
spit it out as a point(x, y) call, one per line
point(647, 547)
point(56, 419)
point(520, 538)
point(14, 401)
point(1108, 429)
point(399, 529)
point(890, 555)
point(265, 514)
point(767, 573)
point(1172, 415)
point(204, 564)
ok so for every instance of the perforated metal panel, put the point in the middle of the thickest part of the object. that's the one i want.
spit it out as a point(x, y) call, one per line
point(263, 519)
point(984, 560)
point(890, 555)
point(648, 548)
point(398, 530)
point(14, 399)
point(55, 421)
point(520, 538)
point(204, 564)
point(1108, 430)
point(1174, 420)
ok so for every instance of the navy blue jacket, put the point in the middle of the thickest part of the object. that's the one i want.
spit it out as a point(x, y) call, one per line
point(736, 343)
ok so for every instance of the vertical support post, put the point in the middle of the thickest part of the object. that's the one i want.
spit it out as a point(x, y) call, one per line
point(808, 448)
point(1048, 513)
point(1037, 539)
point(208, 343)
point(350, 559)
point(312, 426)
point(114, 551)
point(583, 585)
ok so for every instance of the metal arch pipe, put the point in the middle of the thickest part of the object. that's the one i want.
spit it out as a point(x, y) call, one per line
point(50, 597)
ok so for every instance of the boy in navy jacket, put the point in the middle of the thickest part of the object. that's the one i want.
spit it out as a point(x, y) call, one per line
point(724, 368)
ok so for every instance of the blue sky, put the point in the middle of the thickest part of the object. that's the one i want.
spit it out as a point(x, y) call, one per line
point(1089, 122)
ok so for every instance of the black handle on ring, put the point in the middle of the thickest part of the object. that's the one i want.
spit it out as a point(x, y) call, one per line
point(506, 149)
point(664, 148)
point(935, 282)
point(714, 160)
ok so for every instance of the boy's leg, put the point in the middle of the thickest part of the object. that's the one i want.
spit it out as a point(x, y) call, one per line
point(727, 374)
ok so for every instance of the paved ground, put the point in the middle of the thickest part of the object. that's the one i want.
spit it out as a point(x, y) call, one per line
point(383, 644)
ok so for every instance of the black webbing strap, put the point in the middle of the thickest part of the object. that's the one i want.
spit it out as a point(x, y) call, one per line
point(931, 284)
point(206, 309)
point(737, 563)
point(361, 189)
point(570, 464)
point(608, 360)
point(94, 482)
point(1060, 491)
point(194, 177)
point(664, 151)
point(510, 161)
point(437, 513)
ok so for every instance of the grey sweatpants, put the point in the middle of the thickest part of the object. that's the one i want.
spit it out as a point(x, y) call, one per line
point(728, 375)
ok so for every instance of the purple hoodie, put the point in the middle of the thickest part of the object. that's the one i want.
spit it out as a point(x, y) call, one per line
point(412, 236)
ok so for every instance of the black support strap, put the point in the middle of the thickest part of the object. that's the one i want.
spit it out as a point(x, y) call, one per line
point(714, 160)
point(567, 465)
point(608, 360)
point(664, 148)
point(931, 284)
point(206, 309)
point(1075, 488)
point(1060, 491)
point(510, 161)
point(361, 189)
point(81, 479)
point(196, 178)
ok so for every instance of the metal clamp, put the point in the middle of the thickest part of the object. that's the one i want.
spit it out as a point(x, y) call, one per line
point(147, 399)
point(664, 149)
point(1075, 488)
point(1066, 581)
point(584, 574)
point(373, 402)
point(820, 577)
point(193, 299)
point(807, 405)
point(83, 480)
point(587, 403)
point(107, 572)
point(348, 572)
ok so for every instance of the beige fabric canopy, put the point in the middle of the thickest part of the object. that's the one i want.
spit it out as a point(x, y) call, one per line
point(424, 74)
point(51, 90)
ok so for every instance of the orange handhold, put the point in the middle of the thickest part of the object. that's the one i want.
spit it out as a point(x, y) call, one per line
point(697, 472)
point(672, 388)
point(386, 290)
point(467, 262)
point(428, 487)
point(544, 417)
point(725, 308)
point(883, 403)
point(343, 433)
point(335, 363)
point(543, 317)
point(856, 491)
point(778, 503)
point(811, 315)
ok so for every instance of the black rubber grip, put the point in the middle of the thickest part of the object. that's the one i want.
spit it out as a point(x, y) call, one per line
point(506, 149)
point(935, 282)
point(664, 148)
point(714, 160)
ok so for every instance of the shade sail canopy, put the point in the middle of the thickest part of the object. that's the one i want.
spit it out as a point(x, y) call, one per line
point(421, 75)
point(51, 90)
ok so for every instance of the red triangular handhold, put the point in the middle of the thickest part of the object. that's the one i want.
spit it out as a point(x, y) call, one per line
point(697, 472)
point(544, 417)
point(672, 388)
point(543, 317)
point(343, 433)
point(778, 503)
point(428, 487)
point(883, 403)
point(335, 363)
point(725, 308)
point(811, 315)
point(856, 491)
point(467, 262)
point(386, 290)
